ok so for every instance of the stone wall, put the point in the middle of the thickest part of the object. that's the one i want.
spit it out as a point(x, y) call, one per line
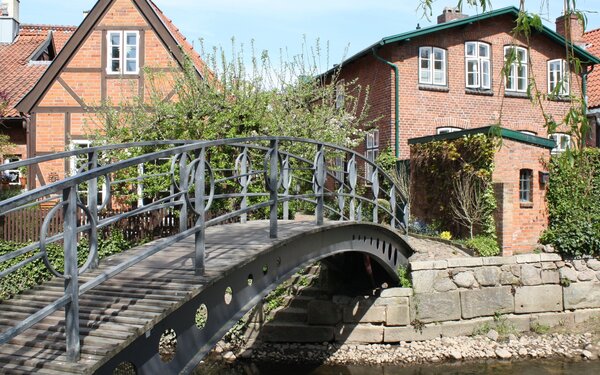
point(455, 297)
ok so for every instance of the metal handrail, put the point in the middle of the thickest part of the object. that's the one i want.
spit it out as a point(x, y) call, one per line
point(193, 185)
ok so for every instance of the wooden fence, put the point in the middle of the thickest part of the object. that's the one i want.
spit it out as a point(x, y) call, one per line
point(24, 225)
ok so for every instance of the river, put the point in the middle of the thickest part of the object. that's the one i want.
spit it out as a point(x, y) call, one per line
point(473, 368)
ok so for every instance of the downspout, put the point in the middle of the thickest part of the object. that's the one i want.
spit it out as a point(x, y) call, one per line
point(396, 101)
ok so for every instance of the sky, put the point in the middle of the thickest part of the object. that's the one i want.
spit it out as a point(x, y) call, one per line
point(343, 27)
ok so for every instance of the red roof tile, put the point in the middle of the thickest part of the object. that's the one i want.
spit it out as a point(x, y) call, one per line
point(592, 39)
point(187, 47)
point(18, 73)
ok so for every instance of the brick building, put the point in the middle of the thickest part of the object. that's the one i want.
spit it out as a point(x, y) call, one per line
point(449, 78)
point(592, 41)
point(105, 61)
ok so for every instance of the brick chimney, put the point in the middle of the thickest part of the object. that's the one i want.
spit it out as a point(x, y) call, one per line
point(450, 14)
point(9, 20)
point(571, 27)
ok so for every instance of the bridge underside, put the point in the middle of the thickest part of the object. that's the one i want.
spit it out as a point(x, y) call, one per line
point(123, 320)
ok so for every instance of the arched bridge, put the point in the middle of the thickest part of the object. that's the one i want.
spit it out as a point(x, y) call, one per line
point(231, 201)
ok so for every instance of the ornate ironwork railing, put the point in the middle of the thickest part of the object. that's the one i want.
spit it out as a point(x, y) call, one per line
point(259, 176)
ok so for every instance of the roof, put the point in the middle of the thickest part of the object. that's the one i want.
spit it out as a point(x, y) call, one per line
point(592, 40)
point(488, 130)
point(18, 73)
point(584, 55)
point(172, 38)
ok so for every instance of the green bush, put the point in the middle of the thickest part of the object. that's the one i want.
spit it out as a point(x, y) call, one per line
point(483, 245)
point(35, 273)
point(574, 203)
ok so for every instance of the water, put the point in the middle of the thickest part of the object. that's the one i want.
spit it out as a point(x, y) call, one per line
point(486, 368)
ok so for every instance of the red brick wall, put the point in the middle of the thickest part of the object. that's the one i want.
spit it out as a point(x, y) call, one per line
point(422, 111)
point(519, 225)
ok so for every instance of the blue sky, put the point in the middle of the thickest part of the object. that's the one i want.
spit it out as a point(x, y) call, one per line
point(347, 25)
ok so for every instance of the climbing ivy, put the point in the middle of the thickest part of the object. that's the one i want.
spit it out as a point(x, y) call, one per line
point(574, 203)
point(435, 166)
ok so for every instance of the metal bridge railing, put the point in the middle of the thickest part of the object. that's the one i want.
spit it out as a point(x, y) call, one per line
point(256, 176)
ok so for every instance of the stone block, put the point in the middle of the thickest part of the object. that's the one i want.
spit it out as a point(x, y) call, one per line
point(546, 257)
point(464, 327)
point(541, 298)
point(397, 334)
point(398, 315)
point(553, 319)
point(587, 275)
point(528, 258)
point(582, 295)
point(508, 278)
point(391, 301)
point(396, 292)
point(550, 277)
point(464, 279)
point(422, 281)
point(435, 307)
point(272, 332)
point(323, 313)
point(568, 273)
point(428, 265)
point(360, 313)
point(530, 274)
point(520, 323)
point(486, 302)
point(361, 333)
point(465, 262)
point(444, 284)
point(498, 261)
point(487, 276)
point(594, 264)
point(585, 315)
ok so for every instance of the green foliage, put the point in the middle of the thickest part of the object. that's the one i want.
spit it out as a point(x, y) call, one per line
point(436, 166)
point(276, 298)
point(484, 246)
point(574, 203)
point(404, 277)
point(35, 273)
point(539, 328)
point(9, 192)
point(501, 324)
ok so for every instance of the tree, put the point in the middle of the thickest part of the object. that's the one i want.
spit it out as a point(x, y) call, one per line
point(468, 204)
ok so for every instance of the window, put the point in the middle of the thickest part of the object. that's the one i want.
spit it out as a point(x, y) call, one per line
point(516, 72)
point(447, 129)
point(340, 95)
point(477, 65)
point(123, 52)
point(563, 142)
point(558, 77)
point(12, 175)
point(79, 164)
point(372, 152)
point(432, 66)
point(526, 186)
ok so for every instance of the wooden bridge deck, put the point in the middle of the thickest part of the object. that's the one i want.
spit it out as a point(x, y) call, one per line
point(123, 308)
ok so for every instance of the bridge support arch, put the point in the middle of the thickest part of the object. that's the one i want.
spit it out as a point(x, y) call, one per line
point(269, 268)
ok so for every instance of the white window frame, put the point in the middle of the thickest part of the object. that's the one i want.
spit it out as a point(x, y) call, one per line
point(481, 63)
point(431, 60)
point(447, 129)
point(73, 169)
point(528, 132)
point(14, 175)
point(556, 76)
point(371, 152)
point(123, 59)
point(563, 142)
point(513, 77)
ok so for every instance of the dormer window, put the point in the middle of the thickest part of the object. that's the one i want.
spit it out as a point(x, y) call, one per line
point(432, 66)
point(123, 52)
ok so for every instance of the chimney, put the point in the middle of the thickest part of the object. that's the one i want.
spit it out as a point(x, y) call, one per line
point(9, 20)
point(450, 14)
point(571, 27)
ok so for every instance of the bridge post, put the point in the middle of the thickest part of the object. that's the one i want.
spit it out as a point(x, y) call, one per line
point(200, 192)
point(183, 186)
point(71, 273)
point(393, 206)
point(352, 179)
point(245, 181)
point(92, 204)
point(320, 174)
point(273, 185)
point(287, 182)
point(375, 189)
